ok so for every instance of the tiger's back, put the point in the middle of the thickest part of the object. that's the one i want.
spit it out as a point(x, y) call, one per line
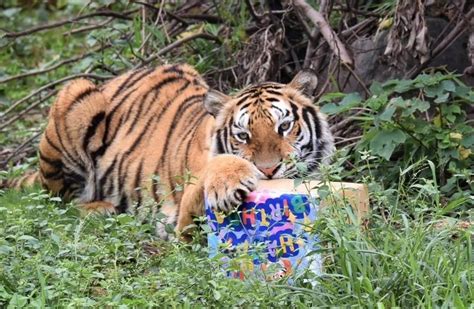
point(105, 144)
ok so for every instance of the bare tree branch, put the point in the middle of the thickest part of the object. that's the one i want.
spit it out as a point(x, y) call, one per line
point(69, 21)
point(52, 84)
point(26, 110)
point(326, 31)
point(458, 30)
point(20, 147)
point(89, 27)
point(175, 44)
point(57, 65)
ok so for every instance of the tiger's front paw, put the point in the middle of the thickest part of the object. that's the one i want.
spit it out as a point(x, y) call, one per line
point(229, 179)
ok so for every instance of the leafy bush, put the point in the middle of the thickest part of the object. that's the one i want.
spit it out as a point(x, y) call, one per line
point(415, 129)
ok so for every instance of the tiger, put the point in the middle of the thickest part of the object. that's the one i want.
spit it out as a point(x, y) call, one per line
point(104, 145)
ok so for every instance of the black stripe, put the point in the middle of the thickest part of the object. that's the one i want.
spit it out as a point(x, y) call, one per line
point(164, 82)
point(267, 114)
point(273, 92)
point(66, 153)
point(137, 182)
point(128, 81)
point(193, 134)
point(91, 129)
point(219, 146)
point(271, 86)
point(143, 102)
point(50, 142)
point(190, 131)
point(272, 99)
point(298, 132)
point(174, 69)
point(104, 177)
point(110, 115)
point(294, 109)
point(142, 134)
point(81, 96)
point(224, 139)
point(155, 88)
point(276, 107)
point(245, 105)
point(311, 132)
point(242, 100)
point(108, 119)
point(99, 152)
point(316, 120)
point(185, 104)
point(76, 178)
point(55, 163)
point(56, 175)
point(123, 205)
point(120, 177)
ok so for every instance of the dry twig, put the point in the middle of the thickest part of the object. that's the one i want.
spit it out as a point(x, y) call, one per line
point(57, 65)
point(176, 44)
point(123, 15)
point(47, 86)
point(327, 32)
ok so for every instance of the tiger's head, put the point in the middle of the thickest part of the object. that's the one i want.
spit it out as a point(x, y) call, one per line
point(272, 125)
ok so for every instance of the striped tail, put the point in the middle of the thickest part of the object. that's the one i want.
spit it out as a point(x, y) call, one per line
point(29, 179)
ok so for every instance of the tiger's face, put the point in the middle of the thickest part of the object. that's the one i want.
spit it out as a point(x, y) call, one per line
point(273, 126)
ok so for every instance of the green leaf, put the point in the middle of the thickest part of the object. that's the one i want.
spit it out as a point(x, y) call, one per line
point(442, 98)
point(5, 249)
point(468, 140)
point(403, 86)
point(448, 85)
point(385, 141)
point(376, 88)
point(351, 100)
point(28, 238)
point(17, 301)
point(328, 97)
point(387, 113)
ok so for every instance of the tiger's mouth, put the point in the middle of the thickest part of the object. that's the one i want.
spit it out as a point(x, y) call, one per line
point(282, 170)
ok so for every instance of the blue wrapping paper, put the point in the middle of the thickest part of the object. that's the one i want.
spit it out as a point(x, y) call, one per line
point(269, 236)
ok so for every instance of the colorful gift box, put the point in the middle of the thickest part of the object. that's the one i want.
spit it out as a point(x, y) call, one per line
point(271, 235)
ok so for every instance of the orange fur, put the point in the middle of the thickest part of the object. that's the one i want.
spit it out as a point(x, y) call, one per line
point(103, 145)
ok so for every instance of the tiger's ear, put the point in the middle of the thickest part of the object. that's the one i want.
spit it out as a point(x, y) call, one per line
point(214, 101)
point(305, 81)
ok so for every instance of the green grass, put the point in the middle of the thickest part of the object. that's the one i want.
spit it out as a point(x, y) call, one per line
point(50, 256)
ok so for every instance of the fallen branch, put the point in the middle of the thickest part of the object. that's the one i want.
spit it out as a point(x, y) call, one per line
point(89, 27)
point(69, 21)
point(327, 32)
point(52, 84)
point(20, 147)
point(54, 67)
point(26, 110)
point(204, 17)
point(176, 44)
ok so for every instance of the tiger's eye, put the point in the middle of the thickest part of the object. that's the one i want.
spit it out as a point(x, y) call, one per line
point(285, 126)
point(243, 136)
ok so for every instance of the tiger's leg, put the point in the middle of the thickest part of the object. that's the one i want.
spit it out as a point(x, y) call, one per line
point(27, 180)
point(225, 183)
point(73, 136)
point(97, 207)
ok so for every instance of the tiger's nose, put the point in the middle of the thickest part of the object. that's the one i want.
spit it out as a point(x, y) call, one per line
point(268, 171)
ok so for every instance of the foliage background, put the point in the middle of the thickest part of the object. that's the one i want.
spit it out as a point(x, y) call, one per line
point(410, 139)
